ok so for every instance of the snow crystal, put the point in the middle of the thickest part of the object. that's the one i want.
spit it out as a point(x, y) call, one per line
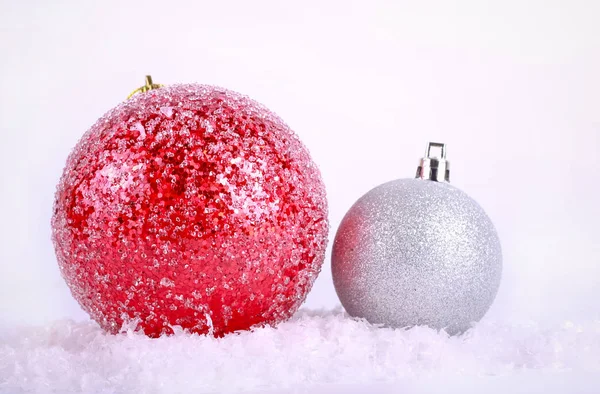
point(314, 349)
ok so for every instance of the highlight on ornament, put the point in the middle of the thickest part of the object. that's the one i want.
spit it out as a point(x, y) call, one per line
point(189, 205)
point(418, 252)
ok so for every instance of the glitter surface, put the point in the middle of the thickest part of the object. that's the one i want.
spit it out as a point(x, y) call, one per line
point(190, 206)
point(414, 252)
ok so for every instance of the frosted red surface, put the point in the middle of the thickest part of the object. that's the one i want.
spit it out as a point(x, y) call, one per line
point(190, 205)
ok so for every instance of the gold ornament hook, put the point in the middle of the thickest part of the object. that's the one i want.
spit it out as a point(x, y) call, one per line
point(148, 86)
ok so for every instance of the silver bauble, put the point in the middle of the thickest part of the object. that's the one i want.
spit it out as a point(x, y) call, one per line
point(417, 252)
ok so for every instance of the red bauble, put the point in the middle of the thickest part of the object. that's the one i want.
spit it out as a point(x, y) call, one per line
point(190, 206)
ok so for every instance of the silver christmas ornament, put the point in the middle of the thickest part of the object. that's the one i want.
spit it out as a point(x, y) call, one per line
point(418, 252)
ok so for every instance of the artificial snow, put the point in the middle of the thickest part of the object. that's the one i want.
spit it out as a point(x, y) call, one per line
point(322, 351)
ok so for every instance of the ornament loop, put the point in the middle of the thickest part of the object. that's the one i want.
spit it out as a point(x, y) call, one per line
point(434, 168)
point(147, 87)
point(436, 145)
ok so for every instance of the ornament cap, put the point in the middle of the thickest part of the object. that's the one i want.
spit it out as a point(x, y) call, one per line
point(434, 167)
point(149, 85)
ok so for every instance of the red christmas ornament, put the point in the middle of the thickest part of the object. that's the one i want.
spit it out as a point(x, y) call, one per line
point(190, 205)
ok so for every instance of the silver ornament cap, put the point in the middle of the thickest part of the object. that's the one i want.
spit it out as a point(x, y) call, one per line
point(434, 168)
point(418, 252)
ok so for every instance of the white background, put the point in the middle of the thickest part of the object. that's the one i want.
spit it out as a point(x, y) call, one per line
point(513, 88)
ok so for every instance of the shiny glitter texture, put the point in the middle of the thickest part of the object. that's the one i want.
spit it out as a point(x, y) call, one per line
point(417, 252)
point(190, 206)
